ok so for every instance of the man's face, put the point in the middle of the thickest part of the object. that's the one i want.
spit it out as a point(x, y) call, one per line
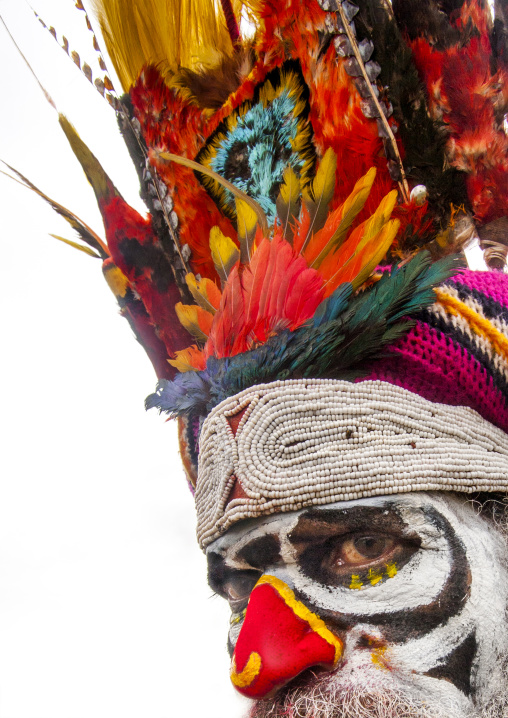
point(415, 587)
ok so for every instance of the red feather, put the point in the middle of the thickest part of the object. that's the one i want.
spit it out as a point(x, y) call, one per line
point(137, 252)
point(276, 290)
point(465, 92)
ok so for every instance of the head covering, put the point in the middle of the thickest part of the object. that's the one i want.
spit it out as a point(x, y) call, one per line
point(297, 283)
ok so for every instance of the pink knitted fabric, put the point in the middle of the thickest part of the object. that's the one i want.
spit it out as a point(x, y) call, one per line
point(445, 360)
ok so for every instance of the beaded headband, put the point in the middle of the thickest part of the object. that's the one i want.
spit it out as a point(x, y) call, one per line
point(287, 445)
point(310, 191)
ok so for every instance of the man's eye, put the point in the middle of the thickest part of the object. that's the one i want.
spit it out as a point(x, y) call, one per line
point(360, 549)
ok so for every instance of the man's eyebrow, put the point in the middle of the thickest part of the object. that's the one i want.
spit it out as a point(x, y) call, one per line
point(320, 523)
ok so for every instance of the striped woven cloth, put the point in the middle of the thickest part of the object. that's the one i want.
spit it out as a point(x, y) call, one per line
point(457, 352)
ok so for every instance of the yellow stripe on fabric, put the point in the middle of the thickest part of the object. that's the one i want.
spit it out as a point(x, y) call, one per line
point(316, 623)
point(478, 324)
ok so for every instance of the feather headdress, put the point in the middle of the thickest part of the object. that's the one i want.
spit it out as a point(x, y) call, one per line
point(307, 188)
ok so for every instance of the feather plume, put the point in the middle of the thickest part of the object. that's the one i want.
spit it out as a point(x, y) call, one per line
point(288, 202)
point(338, 222)
point(338, 266)
point(189, 359)
point(170, 33)
point(87, 234)
point(204, 292)
point(246, 223)
point(276, 290)
point(225, 253)
point(188, 393)
point(318, 194)
point(338, 347)
point(196, 320)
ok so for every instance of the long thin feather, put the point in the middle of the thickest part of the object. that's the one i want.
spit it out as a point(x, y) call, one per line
point(339, 222)
point(255, 206)
point(225, 253)
point(246, 223)
point(75, 245)
point(318, 194)
point(87, 234)
point(288, 202)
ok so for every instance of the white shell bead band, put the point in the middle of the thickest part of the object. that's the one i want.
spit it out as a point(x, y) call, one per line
point(308, 442)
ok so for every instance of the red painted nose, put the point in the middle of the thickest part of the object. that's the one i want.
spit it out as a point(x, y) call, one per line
point(279, 639)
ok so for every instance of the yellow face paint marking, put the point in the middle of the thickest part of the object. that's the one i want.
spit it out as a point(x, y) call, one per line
point(374, 576)
point(355, 582)
point(391, 569)
point(249, 673)
point(237, 618)
point(316, 623)
point(378, 658)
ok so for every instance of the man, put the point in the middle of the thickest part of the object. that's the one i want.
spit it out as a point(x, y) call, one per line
point(393, 605)
point(343, 409)
point(414, 587)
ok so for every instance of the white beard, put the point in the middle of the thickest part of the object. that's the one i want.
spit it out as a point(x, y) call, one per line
point(324, 698)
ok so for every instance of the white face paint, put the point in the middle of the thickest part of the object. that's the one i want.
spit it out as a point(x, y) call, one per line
point(415, 585)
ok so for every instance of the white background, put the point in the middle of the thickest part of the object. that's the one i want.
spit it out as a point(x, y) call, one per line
point(104, 608)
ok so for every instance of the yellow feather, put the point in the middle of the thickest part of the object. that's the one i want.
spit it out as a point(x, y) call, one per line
point(116, 279)
point(381, 245)
point(168, 33)
point(288, 201)
point(224, 252)
point(91, 167)
point(191, 317)
point(382, 214)
point(185, 359)
point(290, 188)
point(324, 181)
point(376, 222)
point(318, 194)
point(246, 222)
point(351, 207)
point(81, 247)
point(204, 293)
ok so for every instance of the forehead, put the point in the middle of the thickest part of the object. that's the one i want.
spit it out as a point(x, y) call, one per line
point(417, 512)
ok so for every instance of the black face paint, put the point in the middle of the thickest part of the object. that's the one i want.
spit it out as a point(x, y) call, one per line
point(261, 552)
point(407, 624)
point(432, 619)
point(457, 667)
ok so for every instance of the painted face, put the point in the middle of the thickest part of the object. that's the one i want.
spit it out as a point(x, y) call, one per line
point(390, 601)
